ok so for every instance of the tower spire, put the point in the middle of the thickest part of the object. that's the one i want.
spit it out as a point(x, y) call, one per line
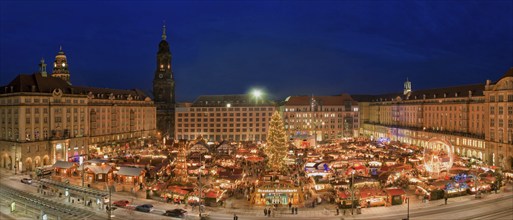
point(164, 31)
point(42, 67)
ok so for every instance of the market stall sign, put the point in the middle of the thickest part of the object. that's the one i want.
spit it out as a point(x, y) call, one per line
point(277, 190)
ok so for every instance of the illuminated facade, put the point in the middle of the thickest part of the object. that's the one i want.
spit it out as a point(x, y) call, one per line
point(322, 117)
point(44, 119)
point(224, 117)
point(476, 119)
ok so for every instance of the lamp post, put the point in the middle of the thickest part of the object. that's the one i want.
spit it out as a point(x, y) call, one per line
point(110, 202)
point(200, 186)
point(476, 185)
point(352, 190)
point(408, 213)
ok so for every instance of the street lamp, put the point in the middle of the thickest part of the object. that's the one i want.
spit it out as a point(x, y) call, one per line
point(408, 213)
point(257, 93)
point(352, 190)
point(200, 186)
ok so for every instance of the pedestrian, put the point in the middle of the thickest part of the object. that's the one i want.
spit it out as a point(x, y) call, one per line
point(338, 212)
point(344, 211)
point(445, 200)
point(265, 211)
point(290, 205)
point(269, 212)
point(235, 217)
point(292, 210)
point(296, 210)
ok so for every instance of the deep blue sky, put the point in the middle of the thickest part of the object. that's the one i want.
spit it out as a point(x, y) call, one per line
point(286, 47)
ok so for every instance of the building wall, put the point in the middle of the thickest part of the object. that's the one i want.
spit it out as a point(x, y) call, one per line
point(478, 126)
point(329, 122)
point(241, 123)
point(37, 129)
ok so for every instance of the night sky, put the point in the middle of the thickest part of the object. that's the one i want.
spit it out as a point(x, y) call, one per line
point(285, 47)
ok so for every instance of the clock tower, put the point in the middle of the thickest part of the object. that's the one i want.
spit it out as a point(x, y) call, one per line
point(60, 66)
point(164, 89)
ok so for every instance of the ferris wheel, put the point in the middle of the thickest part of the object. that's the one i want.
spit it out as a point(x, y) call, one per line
point(438, 156)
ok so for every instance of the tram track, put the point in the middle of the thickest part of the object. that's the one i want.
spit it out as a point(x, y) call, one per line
point(46, 205)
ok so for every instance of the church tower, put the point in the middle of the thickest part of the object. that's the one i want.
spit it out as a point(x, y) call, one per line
point(42, 68)
point(164, 89)
point(60, 66)
point(407, 87)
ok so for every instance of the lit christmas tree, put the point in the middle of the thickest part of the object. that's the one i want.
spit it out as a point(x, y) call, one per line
point(180, 162)
point(276, 148)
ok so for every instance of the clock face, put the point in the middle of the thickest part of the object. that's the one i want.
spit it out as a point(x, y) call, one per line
point(161, 75)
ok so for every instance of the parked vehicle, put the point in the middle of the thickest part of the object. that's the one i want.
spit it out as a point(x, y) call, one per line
point(121, 203)
point(45, 170)
point(177, 213)
point(26, 180)
point(144, 208)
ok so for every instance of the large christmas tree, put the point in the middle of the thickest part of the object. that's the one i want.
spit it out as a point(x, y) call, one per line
point(276, 148)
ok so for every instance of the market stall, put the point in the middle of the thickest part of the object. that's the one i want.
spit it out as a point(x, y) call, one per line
point(395, 196)
point(272, 193)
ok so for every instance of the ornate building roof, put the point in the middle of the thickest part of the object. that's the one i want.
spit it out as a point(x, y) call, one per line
point(37, 83)
point(508, 73)
point(447, 92)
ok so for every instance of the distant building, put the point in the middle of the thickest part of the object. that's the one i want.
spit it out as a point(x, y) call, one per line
point(164, 89)
point(43, 118)
point(477, 119)
point(224, 117)
point(320, 117)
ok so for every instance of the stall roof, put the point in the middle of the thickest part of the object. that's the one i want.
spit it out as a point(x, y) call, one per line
point(213, 194)
point(370, 192)
point(63, 164)
point(309, 164)
point(177, 190)
point(130, 171)
point(395, 192)
point(99, 169)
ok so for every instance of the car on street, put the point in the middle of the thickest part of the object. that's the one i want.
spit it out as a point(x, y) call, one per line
point(26, 180)
point(121, 203)
point(177, 213)
point(144, 208)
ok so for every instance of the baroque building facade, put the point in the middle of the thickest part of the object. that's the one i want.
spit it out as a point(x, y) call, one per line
point(476, 119)
point(320, 118)
point(164, 89)
point(224, 117)
point(43, 118)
